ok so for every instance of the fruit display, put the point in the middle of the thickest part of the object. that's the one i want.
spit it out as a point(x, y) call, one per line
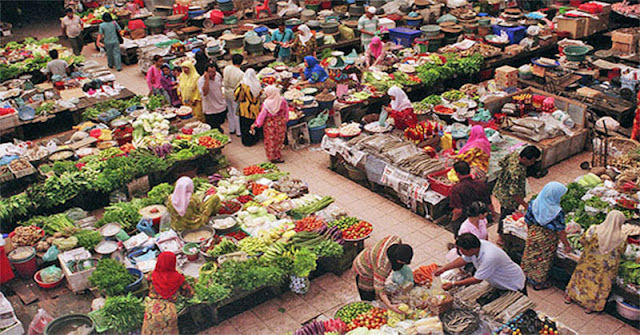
point(371, 319)
point(351, 311)
point(358, 231)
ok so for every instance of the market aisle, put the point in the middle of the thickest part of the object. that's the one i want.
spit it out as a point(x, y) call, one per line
point(330, 292)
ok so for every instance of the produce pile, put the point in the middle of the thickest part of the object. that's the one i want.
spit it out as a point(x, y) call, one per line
point(31, 55)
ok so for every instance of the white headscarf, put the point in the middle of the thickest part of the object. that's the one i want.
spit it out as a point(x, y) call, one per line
point(401, 101)
point(305, 34)
point(609, 232)
point(251, 79)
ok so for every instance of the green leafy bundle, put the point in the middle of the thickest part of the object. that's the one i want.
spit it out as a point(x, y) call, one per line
point(248, 275)
point(328, 248)
point(158, 194)
point(123, 313)
point(571, 200)
point(124, 213)
point(111, 277)
point(630, 272)
point(304, 262)
point(209, 293)
point(88, 239)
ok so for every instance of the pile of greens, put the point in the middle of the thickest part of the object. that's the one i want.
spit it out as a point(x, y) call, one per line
point(629, 271)
point(248, 275)
point(111, 277)
point(88, 239)
point(123, 313)
point(159, 194)
point(125, 213)
point(571, 200)
point(432, 73)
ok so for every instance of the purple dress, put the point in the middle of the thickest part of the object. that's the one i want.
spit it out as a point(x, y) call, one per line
point(168, 83)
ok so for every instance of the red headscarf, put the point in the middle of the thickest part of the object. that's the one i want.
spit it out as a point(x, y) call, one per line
point(166, 280)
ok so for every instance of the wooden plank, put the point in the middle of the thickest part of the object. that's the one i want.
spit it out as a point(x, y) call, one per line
point(24, 291)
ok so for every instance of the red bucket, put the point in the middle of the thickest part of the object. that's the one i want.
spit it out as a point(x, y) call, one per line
point(24, 261)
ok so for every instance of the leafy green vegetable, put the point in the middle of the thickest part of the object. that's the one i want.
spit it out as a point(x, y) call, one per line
point(159, 194)
point(111, 277)
point(209, 293)
point(630, 272)
point(123, 313)
point(88, 239)
point(328, 248)
point(572, 199)
point(304, 262)
point(124, 213)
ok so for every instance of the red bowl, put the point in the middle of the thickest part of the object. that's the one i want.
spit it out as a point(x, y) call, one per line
point(42, 284)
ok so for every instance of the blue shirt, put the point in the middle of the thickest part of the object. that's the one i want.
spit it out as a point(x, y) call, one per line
point(557, 224)
point(286, 36)
point(109, 32)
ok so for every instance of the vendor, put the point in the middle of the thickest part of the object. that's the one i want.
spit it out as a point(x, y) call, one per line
point(369, 25)
point(545, 220)
point(56, 68)
point(313, 72)
point(188, 210)
point(491, 262)
point(167, 285)
point(591, 282)
point(375, 53)
point(375, 263)
point(476, 152)
point(510, 187)
point(401, 109)
point(304, 44)
point(282, 38)
point(465, 192)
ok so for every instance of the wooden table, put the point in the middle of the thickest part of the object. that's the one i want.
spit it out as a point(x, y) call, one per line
point(219, 28)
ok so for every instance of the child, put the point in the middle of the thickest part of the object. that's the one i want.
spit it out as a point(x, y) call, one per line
point(476, 224)
point(170, 85)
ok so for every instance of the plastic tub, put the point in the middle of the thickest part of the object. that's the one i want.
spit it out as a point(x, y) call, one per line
point(516, 34)
point(25, 265)
point(68, 324)
point(316, 133)
point(325, 104)
point(575, 53)
point(136, 284)
point(191, 256)
point(628, 311)
point(42, 284)
point(437, 186)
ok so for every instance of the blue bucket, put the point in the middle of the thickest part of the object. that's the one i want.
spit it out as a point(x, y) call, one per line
point(316, 133)
point(136, 284)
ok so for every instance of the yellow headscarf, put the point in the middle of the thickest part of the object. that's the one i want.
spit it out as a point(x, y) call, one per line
point(188, 83)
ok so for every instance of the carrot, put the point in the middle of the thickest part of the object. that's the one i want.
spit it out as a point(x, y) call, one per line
point(424, 274)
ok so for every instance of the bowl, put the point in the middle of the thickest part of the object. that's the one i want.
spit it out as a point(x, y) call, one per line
point(68, 324)
point(220, 229)
point(308, 100)
point(575, 53)
point(38, 278)
point(628, 311)
point(110, 229)
point(136, 284)
point(201, 234)
point(191, 256)
point(106, 247)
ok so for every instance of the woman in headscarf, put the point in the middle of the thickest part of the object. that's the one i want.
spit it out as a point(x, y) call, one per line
point(400, 109)
point(304, 44)
point(313, 72)
point(247, 95)
point(201, 61)
point(188, 89)
point(167, 285)
point(591, 282)
point(375, 53)
point(170, 85)
point(273, 116)
point(375, 263)
point(545, 220)
point(189, 210)
point(476, 152)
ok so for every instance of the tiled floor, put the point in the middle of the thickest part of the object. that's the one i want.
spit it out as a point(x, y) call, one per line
point(329, 292)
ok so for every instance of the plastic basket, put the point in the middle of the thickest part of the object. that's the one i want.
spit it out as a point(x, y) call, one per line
point(437, 186)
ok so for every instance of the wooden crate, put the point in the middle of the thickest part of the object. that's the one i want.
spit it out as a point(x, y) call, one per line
point(624, 36)
point(78, 281)
point(9, 121)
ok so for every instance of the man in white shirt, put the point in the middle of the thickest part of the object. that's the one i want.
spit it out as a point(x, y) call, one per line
point(491, 262)
point(72, 29)
point(368, 25)
point(213, 104)
point(56, 68)
point(231, 77)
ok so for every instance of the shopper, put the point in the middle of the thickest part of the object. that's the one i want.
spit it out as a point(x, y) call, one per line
point(374, 265)
point(369, 26)
point(465, 192)
point(491, 262)
point(167, 286)
point(72, 28)
point(154, 78)
point(477, 152)
point(375, 53)
point(247, 95)
point(188, 89)
point(545, 220)
point(304, 44)
point(273, 118)
point(213, 104)
point(108, 38)
point(201, 61)
point(56, 68)
point(591, 282)
point(170, 84)
point(476, 224)
point(188, 210)
point(510, 187)
point(401, 109)
point(282, 38)
point(231, 77)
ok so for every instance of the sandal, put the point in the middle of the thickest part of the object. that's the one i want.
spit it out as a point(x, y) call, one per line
point(543, 286)
point(588, 311)
point(567, 300)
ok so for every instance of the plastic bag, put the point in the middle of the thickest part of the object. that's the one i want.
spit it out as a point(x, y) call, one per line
point(39, 322)
point(65, 244)
point(51, 254)
point(76, 213)
point(51, 274)
point(146, 226)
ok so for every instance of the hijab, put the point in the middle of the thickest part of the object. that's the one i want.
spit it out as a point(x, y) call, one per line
point(273, 101)
point(546, 206)
point(305, 34)
point(166, 280)
point(188, 83)
point(477, 139)
point(201, 62)
point(375, 47)
point(610, 232)
point(313, 67)
point(251, 79)
point(182, 195)
point(399, 252)
point(401, 101)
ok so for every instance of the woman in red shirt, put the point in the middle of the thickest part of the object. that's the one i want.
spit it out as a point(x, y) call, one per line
point(400, 109)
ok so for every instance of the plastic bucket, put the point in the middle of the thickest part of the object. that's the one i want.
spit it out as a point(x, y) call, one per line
point(186, 250)
point(24, 265)
point(316, 133)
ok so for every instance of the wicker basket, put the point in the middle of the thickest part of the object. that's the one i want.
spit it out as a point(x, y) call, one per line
point(438, 307)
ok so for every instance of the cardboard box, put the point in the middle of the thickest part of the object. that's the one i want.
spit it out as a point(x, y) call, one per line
point(597, 24)
point(625, 36)
point(624, 48)
point(575, 26)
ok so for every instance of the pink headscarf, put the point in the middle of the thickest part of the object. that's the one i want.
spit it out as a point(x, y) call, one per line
point(376, 47)
point(273, 101)
point(477, 139)
point(182, 194)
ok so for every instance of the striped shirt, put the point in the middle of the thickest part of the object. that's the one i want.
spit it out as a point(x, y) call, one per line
point(373, 266)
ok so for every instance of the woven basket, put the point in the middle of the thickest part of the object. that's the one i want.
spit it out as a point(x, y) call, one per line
point(442, 306)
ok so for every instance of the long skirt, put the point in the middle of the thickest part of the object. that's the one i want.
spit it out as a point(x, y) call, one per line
point(247, 138)
point(160, 317)
point(539, 253)
point(274, 132)
point(196, 107)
